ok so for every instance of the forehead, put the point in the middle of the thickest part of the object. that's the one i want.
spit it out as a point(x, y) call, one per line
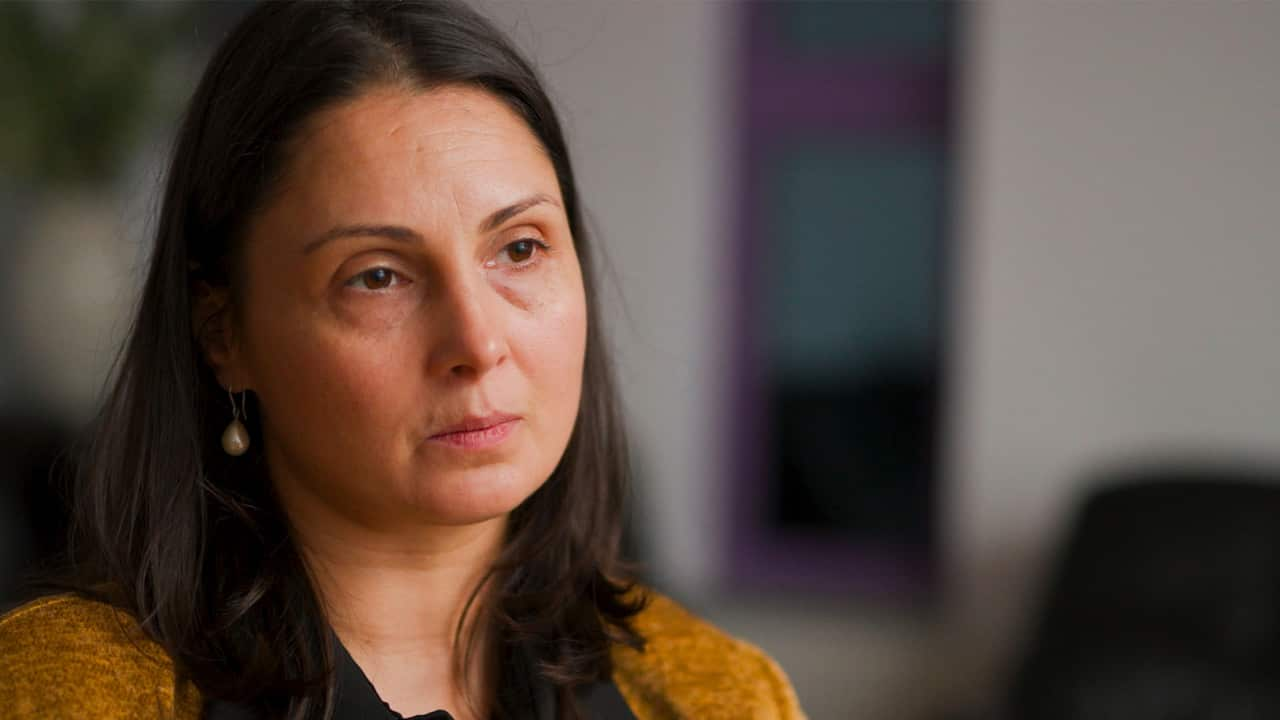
point(401, 153)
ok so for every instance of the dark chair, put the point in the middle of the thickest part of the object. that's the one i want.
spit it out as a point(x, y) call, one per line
point(1165, 604)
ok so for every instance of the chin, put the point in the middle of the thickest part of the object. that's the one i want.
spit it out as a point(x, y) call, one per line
point(473, 495)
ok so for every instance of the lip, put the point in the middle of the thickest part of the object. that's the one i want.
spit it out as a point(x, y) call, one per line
point(477, 432)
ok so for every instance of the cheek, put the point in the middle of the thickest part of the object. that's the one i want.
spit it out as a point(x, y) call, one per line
point(555, 346)
point(325, 393)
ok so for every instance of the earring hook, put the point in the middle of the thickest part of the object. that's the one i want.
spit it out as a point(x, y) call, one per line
point(238, 412)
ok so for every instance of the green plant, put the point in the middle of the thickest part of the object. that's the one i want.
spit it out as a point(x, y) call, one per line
point(78, 82)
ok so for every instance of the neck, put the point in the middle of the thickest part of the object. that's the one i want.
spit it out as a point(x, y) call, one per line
point(395, 600)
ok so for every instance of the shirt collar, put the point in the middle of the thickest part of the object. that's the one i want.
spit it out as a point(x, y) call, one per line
point(357, 699)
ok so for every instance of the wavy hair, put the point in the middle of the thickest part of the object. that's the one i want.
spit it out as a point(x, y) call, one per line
point(194, 542)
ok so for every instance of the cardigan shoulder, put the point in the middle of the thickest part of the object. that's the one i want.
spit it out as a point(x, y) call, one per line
point(691, 669)
point(65, 656)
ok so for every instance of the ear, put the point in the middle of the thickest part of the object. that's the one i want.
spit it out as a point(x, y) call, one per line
point(217, 335)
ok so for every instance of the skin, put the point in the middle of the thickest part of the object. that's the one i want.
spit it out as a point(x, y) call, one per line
point(362, 346)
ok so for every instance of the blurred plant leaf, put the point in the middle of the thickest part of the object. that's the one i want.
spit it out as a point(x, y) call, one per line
point(77, 84)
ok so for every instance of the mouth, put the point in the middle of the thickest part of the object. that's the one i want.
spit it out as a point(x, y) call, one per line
point(477, 432)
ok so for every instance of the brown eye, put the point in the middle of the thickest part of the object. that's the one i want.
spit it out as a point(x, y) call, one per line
point(378, 278)
point(521, 252)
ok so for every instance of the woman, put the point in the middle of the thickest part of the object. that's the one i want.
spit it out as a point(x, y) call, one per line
point(361, 457)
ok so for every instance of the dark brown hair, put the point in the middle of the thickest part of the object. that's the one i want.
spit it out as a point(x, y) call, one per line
point(192, 541)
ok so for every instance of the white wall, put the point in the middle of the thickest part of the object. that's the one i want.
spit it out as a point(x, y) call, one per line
point(1120, 270)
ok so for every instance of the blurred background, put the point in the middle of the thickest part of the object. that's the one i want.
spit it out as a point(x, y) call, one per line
point(946, 332)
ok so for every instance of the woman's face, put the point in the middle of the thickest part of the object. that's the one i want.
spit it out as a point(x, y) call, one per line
point(413, 319)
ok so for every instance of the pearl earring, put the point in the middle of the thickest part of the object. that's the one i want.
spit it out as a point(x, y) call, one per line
point(235, 439)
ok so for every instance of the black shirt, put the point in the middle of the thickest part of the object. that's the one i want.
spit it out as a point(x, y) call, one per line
point(357, 698)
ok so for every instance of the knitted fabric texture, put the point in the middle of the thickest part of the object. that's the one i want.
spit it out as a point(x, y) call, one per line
point(66, 657)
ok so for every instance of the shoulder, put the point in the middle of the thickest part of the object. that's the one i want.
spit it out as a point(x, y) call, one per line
point(690, 668)
point(66, 656)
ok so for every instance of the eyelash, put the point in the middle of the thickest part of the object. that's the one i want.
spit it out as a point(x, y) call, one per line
point(355, 280)
point(540, 247)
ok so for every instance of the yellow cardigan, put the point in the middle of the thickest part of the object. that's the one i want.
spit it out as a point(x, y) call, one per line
point(66, 657)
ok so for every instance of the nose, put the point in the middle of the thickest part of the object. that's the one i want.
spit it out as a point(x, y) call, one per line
point(471, 336)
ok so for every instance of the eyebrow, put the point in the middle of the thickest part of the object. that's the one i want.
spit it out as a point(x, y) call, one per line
point(401, 233)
